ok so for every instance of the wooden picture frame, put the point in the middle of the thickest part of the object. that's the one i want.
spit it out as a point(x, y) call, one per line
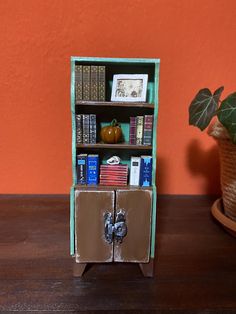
point(129, 87)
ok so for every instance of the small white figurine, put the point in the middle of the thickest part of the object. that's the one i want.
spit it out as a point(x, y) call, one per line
point(114, 160)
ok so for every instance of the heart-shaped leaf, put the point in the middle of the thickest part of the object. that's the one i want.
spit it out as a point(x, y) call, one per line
point(227, 115)
point(203, 107)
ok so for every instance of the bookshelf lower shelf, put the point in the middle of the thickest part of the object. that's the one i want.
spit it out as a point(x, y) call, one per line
point(114, 146)
point(111, 187)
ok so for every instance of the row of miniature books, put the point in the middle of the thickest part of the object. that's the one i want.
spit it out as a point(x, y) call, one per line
point(90, 172)
point(86, 129)
point(141, 130)
point(90, 82)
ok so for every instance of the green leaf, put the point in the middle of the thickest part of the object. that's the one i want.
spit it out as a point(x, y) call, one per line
point(227, 115)
point(203, 107)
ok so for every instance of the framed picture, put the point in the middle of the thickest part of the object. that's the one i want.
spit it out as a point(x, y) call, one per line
point(129, 87)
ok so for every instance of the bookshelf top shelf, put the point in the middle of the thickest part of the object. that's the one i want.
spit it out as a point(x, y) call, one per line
point(115, 146)
point(115, 104)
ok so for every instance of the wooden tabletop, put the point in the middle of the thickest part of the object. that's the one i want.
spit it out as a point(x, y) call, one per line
point(195, 266)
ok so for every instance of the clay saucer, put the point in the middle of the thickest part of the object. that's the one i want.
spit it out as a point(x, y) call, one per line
point(217, 211)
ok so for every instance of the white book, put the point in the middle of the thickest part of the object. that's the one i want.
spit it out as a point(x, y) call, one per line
point(135, 171)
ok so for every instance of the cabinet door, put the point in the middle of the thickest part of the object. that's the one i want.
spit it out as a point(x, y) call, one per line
point(90, 208)
point(136, 205)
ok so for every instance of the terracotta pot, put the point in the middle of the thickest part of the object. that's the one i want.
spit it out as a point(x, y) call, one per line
point(227, 151)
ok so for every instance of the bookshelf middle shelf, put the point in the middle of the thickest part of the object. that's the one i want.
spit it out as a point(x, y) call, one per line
point(114, 146)
point(143, 105)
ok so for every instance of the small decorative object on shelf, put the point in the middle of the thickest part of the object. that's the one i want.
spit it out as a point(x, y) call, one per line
point(114, 160)
point(129, 87)
point(112, 133)
point(114, 175)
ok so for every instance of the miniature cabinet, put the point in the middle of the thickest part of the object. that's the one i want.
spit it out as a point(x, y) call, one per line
point(114, 223)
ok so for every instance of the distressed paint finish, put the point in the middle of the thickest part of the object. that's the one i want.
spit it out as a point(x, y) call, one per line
point(154, 154)
point(137, 207)
point(72, 221)
point(73, 120)
point(90, 243)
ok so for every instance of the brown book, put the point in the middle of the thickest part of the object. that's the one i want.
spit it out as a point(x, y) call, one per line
point(101, 82)
point(78, 82)
point(94, 82)
point(86, 82)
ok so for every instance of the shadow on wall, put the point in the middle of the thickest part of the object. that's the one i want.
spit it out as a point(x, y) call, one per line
point(205, 163)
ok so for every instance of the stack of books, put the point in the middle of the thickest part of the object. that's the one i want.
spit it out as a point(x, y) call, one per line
point(141, 171)
point(86, 129)
point(141, 130)
point(90, 82)
point(87, 169)
point(114, 175)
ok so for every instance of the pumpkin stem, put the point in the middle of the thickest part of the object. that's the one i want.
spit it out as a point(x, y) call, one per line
point(114, 122)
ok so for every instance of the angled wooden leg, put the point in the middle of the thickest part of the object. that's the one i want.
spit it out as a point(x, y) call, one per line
point(79, 269)
point(147, 268)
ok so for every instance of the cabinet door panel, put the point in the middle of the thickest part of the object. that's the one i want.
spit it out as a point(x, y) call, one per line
point(136, 204)
point(90, 243)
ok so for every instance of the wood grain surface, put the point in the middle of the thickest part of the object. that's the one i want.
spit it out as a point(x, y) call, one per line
point(195, 269)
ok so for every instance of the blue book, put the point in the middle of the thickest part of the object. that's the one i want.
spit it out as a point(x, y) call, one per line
point(92, 169)
point(146, 171)
point(81, 168)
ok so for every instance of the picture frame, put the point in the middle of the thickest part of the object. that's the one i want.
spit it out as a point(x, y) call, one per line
point(129, 87)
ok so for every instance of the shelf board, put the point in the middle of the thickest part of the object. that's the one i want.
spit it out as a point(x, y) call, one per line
point(115, 104)
point(111, 187)
point(115, 146)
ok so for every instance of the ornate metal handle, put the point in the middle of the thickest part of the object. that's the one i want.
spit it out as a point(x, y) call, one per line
point(115, 231)
point(120, 227)
point(108, 227)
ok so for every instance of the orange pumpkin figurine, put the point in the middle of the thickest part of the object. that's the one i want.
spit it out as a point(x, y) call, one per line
point(112, 133)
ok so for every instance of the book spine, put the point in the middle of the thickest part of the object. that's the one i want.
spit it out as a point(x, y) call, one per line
point(92, 169)
point(85, 128)
point(82, 169)
point(94, 82)
point(139, 130)
point(92, 129)
point(79, 133)
point(86, 82)
point(78, 82)
point(135, 171)
point(101, 83)
point(146, 171)
point(147, 130)
point(132, 131)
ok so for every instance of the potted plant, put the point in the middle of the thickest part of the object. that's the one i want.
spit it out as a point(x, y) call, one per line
point(202, 109)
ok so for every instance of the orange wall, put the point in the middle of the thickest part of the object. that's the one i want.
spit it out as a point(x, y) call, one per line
point(195, 39)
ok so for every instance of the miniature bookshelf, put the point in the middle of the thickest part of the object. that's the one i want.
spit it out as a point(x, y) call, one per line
point(106, 111)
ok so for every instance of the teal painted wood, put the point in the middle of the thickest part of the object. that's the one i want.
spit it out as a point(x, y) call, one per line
point(72, 220)
point(72, 97)
point(115, 60)
point(154, 153)
point(153, 85)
